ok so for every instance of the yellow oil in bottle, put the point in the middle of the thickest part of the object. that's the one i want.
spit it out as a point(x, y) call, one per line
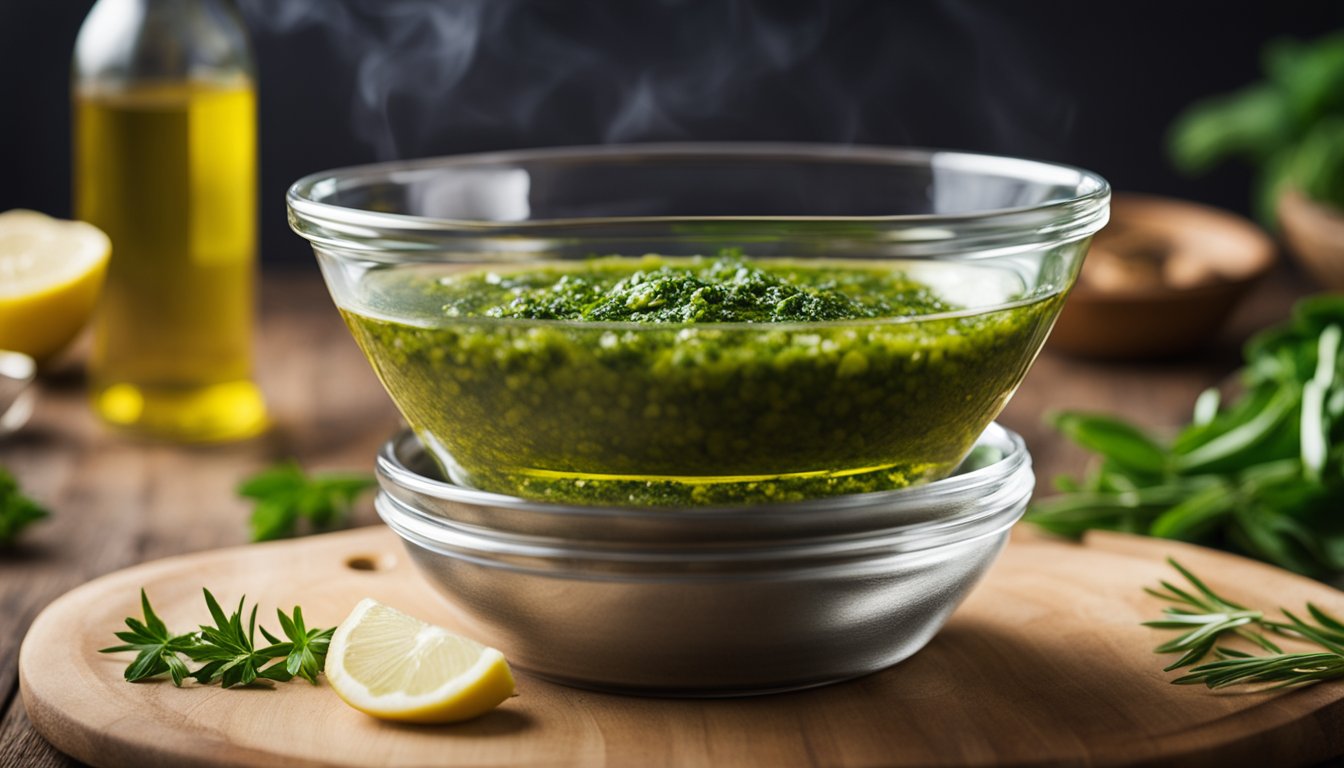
point(169, 173)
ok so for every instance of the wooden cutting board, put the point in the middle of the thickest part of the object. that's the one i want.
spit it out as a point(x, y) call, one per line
point(1045, 664)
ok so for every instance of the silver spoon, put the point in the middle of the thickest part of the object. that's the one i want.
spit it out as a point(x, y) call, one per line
point(17, 393)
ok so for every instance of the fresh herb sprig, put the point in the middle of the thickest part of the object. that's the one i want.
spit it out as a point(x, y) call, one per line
point(1263, 476)
point(285, 495)
point(158, 649)
point(227, 649)
point(17, 511)
point(1288, 125)
point(1208, 618)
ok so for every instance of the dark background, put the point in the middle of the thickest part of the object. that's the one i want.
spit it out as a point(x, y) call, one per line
point(350, 81)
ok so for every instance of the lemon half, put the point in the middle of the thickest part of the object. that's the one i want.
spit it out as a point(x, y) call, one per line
point(396, 667)
point(50, 274)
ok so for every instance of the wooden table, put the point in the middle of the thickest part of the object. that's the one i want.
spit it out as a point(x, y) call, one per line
point(116, 501)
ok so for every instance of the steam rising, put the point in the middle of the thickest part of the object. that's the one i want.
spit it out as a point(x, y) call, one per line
point(435, 76)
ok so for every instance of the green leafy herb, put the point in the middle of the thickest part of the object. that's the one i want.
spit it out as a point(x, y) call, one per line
point(227, 650)
point(306, 651)
point(1290, 125)
point(159, 650)
point(1207, 618)
point(285, 494)
point(17, 511)
point(1262, 475)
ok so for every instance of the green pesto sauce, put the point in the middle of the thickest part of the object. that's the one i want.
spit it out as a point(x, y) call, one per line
point(723, 290)
point(684, 408)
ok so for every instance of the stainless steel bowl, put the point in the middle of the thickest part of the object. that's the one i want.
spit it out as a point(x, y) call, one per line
point(708, 602)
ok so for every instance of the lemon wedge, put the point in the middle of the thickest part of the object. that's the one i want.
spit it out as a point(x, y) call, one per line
point(396, 667)
point(50, 274)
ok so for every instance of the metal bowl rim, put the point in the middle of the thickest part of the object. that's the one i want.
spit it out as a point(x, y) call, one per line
point(966, 485)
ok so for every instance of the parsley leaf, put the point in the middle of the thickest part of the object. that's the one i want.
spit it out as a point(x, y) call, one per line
point(285, 495)
point(16, 510)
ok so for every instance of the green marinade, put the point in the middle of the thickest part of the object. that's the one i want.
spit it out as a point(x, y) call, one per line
point(692, 381)
point(723, 290)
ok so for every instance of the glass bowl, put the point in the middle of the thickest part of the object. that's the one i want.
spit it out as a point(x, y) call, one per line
point(701, 413)
point(699, 602)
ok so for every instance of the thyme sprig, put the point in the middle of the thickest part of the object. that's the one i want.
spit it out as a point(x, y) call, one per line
point(227, 649)
point(1207, 619)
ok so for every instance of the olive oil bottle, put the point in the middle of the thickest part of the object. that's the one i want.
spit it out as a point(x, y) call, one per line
point(165, 164)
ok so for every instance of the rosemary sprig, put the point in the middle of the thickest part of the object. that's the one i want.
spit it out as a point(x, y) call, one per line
point(1208, 618)
point(227, 649)
point(1286, 670)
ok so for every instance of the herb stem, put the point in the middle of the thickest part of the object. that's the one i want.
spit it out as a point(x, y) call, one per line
point(1208, 618)
point(226, 650)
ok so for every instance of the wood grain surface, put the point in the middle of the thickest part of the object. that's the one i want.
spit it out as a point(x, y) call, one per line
point(1045, 664)
point(117, 501)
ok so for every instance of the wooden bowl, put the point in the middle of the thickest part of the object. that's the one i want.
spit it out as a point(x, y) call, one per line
point(1315, 235)
point(1160, 279)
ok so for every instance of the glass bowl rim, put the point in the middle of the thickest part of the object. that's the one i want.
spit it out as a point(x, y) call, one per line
point(308, 212)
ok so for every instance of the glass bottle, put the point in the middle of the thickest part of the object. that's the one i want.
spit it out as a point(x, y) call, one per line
point(165, 152)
